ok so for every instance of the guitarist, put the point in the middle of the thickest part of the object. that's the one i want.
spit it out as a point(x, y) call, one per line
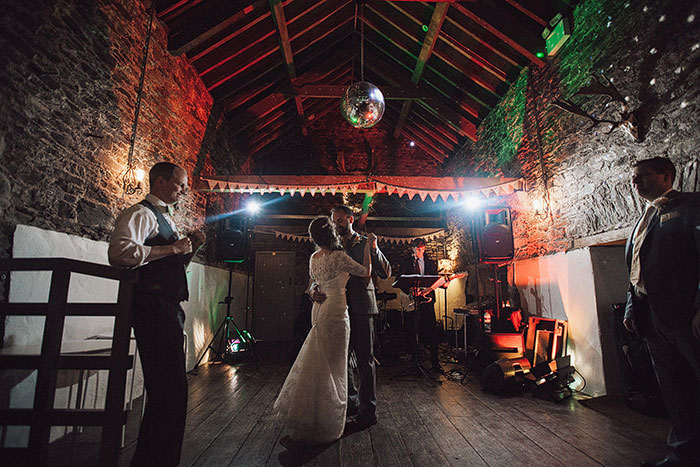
point(418, 263)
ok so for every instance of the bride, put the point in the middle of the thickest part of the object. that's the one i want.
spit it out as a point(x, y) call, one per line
point(313, 399)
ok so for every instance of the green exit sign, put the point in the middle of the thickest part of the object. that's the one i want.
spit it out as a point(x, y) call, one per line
point(557, 37)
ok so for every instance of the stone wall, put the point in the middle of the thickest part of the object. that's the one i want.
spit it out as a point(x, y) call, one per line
point(651, 54)
point(70, 78)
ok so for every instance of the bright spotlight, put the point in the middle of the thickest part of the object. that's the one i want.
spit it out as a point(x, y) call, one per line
point(471, 203)
point(412, 143)
point(253, 207)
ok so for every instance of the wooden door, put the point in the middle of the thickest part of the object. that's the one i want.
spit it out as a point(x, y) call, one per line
point(274, 295)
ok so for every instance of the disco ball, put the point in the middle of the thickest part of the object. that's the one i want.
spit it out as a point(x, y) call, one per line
point(362, 104)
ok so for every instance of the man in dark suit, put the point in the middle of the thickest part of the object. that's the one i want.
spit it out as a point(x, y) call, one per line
point(418, 263)
point(663, 256)
point(362, 308)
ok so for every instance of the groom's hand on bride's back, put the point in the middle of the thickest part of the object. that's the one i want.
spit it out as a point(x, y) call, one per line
point(317, 296)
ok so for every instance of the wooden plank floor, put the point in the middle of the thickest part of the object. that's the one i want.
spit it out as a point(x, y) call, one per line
point(231, 423)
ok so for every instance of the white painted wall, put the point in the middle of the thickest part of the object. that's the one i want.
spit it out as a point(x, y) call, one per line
point(208, 287)
point(562, 286)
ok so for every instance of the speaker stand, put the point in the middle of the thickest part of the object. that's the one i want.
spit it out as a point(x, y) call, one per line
point(227, 328)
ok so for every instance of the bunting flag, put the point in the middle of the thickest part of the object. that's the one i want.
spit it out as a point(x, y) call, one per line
point(381, 238)
point(423, 187)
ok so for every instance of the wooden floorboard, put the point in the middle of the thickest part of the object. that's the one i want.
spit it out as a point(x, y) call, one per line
point(231, 422)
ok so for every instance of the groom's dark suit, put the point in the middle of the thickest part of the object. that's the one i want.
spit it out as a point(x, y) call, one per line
point(670, 270)
point(362, 308)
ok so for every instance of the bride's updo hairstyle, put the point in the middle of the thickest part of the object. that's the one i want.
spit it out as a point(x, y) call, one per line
point(323, 233)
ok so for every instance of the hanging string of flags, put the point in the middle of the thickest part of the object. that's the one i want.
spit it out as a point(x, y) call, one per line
point(423, 187)
point(382, 238)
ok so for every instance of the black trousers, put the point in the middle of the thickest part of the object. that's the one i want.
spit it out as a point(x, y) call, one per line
point(427, 330)
point(158, 325)
point(676, 358)
point(362, 380)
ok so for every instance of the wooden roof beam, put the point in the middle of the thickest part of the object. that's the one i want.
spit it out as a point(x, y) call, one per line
point(513, 44)
point(425, 146)
point(262, 108)
point(336, 92)
point(439, 14)
point(523, 9)
point(435, 133)
point(436, 106)
point(286, 48)
point(180, 45)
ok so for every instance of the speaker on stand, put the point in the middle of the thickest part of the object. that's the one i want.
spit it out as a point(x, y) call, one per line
point(232, 247)
point(496, 247)
point(232, 239)
point(492, 243)
point(495, 236)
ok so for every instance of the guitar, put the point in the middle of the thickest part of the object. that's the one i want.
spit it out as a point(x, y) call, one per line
point(422, 296)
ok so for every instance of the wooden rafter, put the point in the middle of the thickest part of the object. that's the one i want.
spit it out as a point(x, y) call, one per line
point(260, 109)
point(336, 92)
point(426, 146)
point(242, 88)
point(181, 45)
point(470, 71)
point(439, 14)
point(435, 134)
point(445, 113)
point(230, 37)
point(528, 12)
point(500, 35)
point(288, 56)
point(444, 130)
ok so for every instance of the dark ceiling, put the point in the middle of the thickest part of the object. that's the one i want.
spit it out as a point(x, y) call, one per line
point(279, 65)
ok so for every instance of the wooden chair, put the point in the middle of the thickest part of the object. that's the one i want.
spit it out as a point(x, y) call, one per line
point(42, 416)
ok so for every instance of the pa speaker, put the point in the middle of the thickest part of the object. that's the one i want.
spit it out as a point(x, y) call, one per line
point(232, 239)
point(496, 236)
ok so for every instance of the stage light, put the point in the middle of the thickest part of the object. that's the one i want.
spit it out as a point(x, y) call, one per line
point(471, 203)
point(412, 143)
point(253, 207)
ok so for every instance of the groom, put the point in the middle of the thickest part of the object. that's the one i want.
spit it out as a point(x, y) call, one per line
point(362, 307)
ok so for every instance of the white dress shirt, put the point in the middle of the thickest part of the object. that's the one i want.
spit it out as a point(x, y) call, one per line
point(132, 228)
point(640, 233)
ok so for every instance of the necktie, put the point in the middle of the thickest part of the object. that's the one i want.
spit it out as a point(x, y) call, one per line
point(637, 240)
point(416, 266)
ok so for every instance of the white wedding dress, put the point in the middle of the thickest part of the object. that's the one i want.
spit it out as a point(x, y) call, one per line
point(313, 399)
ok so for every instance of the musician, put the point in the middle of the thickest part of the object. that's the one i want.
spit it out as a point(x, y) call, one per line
point(418, 263)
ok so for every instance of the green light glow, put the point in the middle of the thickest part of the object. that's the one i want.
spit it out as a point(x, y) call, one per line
point(600, 37)
point(425, 28)
point(366, 202)
point(500, 134)
point(539, 54)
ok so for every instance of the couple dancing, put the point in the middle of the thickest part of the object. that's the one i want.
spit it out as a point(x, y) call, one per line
point(322, 389)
